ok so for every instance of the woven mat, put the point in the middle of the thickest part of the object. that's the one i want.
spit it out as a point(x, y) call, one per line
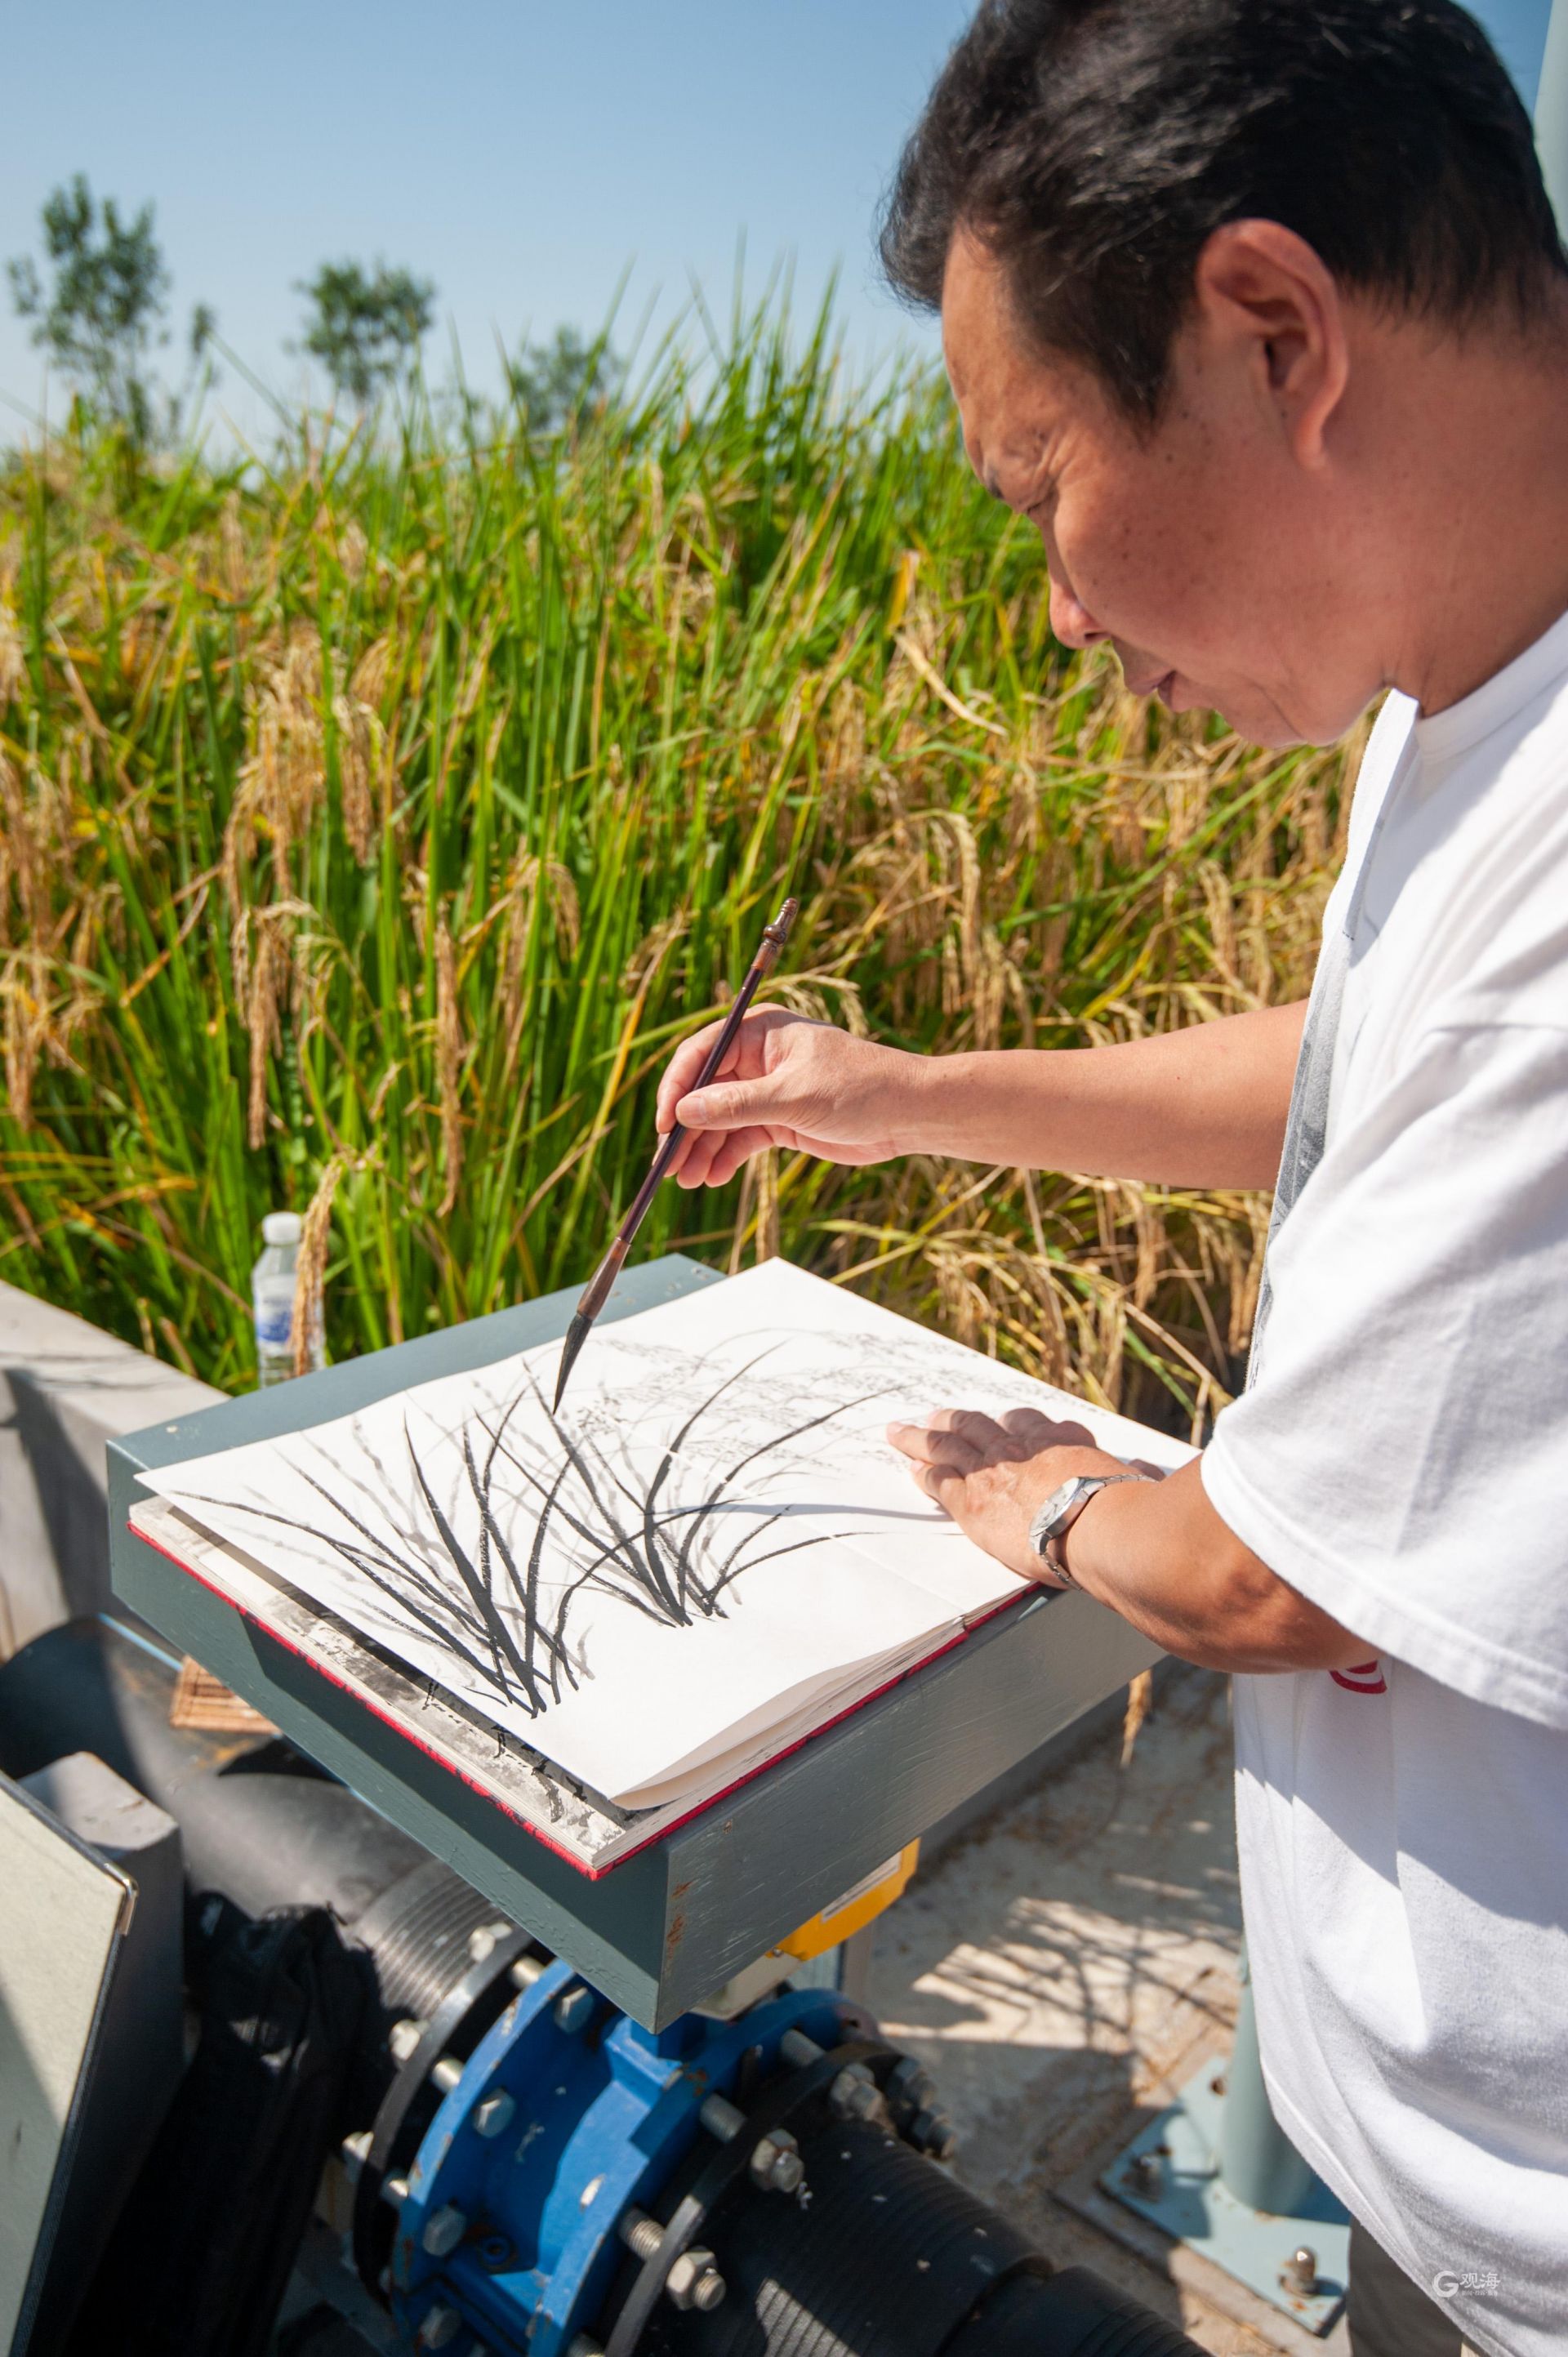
point(200, 1700)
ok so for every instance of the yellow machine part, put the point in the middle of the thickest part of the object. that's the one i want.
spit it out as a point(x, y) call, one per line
point(857, 1909)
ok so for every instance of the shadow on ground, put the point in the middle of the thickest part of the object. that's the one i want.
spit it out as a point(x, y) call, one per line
point(1064, 1965)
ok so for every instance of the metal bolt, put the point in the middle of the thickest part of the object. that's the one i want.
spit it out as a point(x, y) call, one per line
point(933, 2132)
point(775, 2165)
point(483, 1940)
point(574, 2009)
point(441, 2325)
point(639, 2233)
point(797, 2047)
point(694, 2282)
point(1299, 2273)
point(910, 2083)
point(356, 2151)
point(444, 2230)
point(492, 2115)
point(396, 2190)
point(402, 2037)
point(721, 2118)
point(1145, 2176)
point(584, 2345)
point(446, 2074)
point(855, 2095)
point(526, 1971)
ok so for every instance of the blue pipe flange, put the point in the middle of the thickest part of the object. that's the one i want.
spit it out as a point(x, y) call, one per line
point(566, 2116)
point(782, 2100)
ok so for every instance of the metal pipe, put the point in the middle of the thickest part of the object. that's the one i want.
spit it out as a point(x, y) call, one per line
point(1258, 2162)
point(259, 1823)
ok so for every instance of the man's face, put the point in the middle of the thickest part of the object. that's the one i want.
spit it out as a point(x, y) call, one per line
point(1199, 550)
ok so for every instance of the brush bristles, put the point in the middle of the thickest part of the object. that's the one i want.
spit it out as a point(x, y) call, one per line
point(577, 1334)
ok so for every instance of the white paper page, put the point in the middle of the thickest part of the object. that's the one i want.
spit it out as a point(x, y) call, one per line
point(713, 1531)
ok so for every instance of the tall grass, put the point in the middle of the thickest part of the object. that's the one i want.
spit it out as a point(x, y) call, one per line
point(374, 820)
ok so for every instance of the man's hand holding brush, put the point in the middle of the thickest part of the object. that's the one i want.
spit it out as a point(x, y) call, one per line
point(791, 1082)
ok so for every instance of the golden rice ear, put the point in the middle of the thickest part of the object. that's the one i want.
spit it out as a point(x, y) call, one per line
point(310, 1267)
point(262, 1023)
point(360, 740)
point(13, 656)
point(1140, 1702)
point(24, 989)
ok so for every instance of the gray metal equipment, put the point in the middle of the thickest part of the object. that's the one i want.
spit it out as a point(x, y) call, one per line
point(92, 2040)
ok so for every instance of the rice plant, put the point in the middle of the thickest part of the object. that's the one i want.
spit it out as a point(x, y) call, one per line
point(373, 818)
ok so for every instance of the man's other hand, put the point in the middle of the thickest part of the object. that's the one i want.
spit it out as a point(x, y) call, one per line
point(1156, 1552)
point(993, 1474)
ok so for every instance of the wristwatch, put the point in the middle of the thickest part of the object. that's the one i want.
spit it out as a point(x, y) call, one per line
point(1061, 1510)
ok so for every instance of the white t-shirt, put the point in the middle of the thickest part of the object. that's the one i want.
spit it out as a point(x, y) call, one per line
point(1402, 1459)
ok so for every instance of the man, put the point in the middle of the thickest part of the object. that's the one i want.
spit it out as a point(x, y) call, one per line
point(1257, 307)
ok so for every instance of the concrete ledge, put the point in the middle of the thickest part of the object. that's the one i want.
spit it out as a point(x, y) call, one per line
point(66, 1389)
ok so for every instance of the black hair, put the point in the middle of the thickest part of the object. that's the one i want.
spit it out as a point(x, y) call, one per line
point(1094, 145)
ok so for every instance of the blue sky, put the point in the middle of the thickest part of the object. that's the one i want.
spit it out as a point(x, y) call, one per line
point(519, 155)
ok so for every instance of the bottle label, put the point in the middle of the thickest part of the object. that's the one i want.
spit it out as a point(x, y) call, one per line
point(274, 1313)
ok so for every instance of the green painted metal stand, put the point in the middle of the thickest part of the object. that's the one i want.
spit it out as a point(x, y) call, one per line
point(1216, 2171)
point(681, 1917)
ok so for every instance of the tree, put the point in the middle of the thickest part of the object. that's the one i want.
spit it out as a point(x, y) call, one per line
point(557, 382)
point(366, 330)
point(106, 304)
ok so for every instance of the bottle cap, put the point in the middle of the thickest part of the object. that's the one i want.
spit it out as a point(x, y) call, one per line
point(280, 1228)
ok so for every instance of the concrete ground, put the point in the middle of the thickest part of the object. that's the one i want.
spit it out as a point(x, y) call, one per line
point(1061, 1967)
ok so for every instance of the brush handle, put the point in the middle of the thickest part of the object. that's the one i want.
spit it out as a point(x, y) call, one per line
point(597, 1290)
point(774, 937)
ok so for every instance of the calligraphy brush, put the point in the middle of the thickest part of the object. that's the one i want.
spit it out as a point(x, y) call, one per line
point(594, 1292)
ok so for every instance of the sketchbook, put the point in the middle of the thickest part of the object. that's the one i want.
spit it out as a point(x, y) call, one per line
point(710, 1553)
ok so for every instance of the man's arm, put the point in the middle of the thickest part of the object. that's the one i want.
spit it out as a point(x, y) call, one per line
point(1155, 1552)
point(1204, 1107)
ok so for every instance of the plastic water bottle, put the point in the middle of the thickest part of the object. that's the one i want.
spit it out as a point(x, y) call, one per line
point(272, 1298)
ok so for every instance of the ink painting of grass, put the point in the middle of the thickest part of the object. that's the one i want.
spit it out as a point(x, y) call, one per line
point(711, 1535)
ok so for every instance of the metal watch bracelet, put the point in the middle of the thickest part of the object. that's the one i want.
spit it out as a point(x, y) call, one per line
point(1049, 1527)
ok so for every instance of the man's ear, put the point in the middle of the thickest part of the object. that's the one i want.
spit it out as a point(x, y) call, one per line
point(1263, 290)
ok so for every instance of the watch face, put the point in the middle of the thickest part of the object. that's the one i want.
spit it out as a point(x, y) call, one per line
point(1056, 1505)
point(1053, 1509)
